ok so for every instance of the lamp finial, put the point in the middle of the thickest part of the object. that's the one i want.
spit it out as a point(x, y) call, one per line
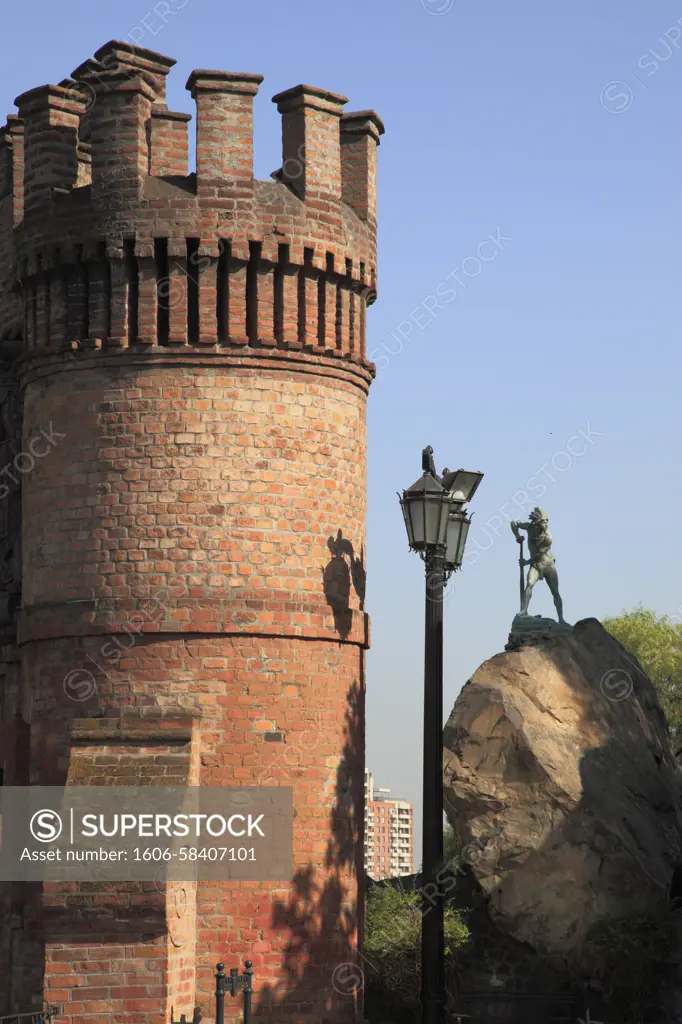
point(428, 465)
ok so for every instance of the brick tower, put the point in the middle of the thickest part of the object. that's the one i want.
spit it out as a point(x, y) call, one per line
point(183, 387)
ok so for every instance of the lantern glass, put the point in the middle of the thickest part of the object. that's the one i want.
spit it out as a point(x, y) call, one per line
point(458, 529)
point(425, 508)
point(407, 516)
point(464, 485)
point(437, 510)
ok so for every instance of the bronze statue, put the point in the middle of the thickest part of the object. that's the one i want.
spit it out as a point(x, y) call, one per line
point(541, 561)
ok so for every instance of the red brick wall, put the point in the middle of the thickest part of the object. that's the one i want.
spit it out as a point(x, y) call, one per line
point(274, 712)
point(222, 484)
point(147, 945)
point(197, 353)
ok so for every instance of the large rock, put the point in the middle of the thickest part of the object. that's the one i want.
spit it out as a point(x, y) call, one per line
point(560, 779)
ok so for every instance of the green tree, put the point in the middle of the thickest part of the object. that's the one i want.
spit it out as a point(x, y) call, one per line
point(452, 847)
point(626, 953)
point(393, 944)
point(656, 642)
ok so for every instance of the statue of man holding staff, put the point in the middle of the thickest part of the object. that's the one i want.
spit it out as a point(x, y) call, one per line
point(541, 561)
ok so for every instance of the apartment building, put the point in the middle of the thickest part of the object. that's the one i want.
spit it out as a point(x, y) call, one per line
point(389, 833)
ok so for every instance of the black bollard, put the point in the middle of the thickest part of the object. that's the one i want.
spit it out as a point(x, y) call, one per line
point(235, 983)
point(220, 986)
point(248, 975)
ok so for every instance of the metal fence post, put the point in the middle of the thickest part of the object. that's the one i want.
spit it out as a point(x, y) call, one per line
point(196, 1016)
point(31, 1017)
point(233, 984)
point(248, 989)
point(220, 986)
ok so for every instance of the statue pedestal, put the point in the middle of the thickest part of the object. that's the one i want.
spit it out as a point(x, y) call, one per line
point(532, 629)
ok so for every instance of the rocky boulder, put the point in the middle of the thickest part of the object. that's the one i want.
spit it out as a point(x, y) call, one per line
point(560, 779)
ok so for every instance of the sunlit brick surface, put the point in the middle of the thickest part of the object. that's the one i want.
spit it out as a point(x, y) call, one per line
point(192, 557)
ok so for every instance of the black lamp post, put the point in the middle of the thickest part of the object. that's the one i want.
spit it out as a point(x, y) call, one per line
point(437, 527)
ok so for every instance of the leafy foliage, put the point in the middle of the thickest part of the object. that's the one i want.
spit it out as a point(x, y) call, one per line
point(452, 847)
point(625, 953)
point(393, 943)
point(656, 642)
point(394, 923)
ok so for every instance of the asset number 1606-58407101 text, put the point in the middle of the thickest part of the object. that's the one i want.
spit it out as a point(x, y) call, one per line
point(191, 853)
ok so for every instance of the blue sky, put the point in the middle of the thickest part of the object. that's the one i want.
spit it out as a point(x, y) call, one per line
point(556, 127)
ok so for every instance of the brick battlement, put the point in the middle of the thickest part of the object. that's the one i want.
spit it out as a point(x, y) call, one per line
point(183, 387)
point(116, 245)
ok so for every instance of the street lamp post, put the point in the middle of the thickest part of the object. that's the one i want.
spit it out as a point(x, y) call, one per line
point(437, 527)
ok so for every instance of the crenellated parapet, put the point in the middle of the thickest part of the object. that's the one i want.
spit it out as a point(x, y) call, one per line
point(118, 247)
point(183, 385)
